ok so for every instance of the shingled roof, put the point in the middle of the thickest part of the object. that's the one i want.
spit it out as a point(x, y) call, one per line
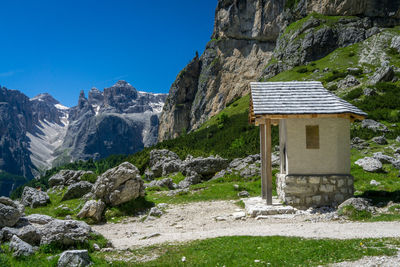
point(296, 98)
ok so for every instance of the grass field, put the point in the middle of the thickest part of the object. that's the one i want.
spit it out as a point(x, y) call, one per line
point(233, 251)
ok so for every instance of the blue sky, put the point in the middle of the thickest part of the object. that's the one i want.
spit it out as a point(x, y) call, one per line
point(64, 46)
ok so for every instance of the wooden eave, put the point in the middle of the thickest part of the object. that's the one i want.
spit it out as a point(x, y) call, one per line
point(260, 119)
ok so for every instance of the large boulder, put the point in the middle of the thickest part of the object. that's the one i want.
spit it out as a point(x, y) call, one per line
point(119, 185)
point(206, 167)
point(67, 177)
point(30, 234)
point(20, 248)
point(374, 125)
point(370, 164)
point(39, 218)
point(77, 190)
point(92, 209)
point(74, 258)
point(9, 212)
point(164, 162)
point(34, 198)
point(65, 232)
point(360, 204)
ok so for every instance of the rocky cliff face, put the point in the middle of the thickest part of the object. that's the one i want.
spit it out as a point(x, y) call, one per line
point(249, 42)
point(16, 118)
point(119, 120)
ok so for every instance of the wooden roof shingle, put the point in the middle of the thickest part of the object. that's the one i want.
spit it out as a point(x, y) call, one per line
point(297, 98)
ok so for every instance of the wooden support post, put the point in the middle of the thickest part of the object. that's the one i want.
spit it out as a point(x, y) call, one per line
point(266, 170)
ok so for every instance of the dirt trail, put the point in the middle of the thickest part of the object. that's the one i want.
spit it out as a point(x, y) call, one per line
point(197, 221)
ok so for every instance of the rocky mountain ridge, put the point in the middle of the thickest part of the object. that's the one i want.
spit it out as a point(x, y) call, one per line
point(249, 43)
point(120, 120)
point(38, 133)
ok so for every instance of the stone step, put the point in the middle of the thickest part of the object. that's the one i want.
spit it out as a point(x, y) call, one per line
point(257, 206)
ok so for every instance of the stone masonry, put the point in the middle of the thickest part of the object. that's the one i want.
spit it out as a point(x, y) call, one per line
point(304, 191)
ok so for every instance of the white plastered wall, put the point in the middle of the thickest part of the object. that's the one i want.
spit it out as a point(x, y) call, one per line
point(333, 156)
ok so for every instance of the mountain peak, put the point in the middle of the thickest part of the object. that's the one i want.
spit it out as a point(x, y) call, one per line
point(45, 97)
point(122, 83)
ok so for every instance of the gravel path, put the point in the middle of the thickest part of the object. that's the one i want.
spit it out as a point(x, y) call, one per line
point(197, 221)
point(383, 261)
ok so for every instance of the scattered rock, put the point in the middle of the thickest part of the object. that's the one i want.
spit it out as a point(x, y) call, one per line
point(236, 187)
point(380, 140)
point(396, 164)
point(151, 236)
point(382, 74)
point(155, 212)
point(220, 218)
point(374, 125)
point(162, 205)
point(178, 192)
point(9, 213)
point(239, 215)
point(20, 247)
point(7, 233)
point(243, 194)
point(192, 179)
point(206, 167)
point(396, 43)
point(74, 258)
point(360, 204)
point(374, 183)
point(166, 182)
point(119, 185)
point(89, 196)
point(358, 143)
point(398, 139)
point(67, 177)
point(370, 164)
point(65, 232)
point(77, 190)
point(34, 198)
point(372, 31)
point(96, 247)
point(384, 159)
point(92, 209)
point(39, 218)
point(248, 166)
point(369, 92)
point(349, 81)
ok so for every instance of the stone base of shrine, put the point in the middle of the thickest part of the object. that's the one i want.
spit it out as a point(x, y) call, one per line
point(305, 191)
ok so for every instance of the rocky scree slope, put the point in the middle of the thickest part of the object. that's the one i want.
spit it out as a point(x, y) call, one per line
point(249, 35)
